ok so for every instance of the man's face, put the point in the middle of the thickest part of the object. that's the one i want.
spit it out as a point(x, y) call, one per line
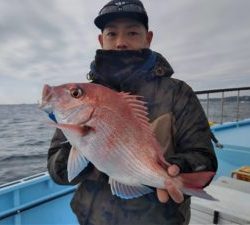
point(125, 34)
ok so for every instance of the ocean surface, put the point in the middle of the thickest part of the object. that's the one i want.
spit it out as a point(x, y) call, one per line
point(24, 141)
point(25, 136)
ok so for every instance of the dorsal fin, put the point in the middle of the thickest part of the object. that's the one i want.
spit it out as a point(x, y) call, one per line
point(139, 109)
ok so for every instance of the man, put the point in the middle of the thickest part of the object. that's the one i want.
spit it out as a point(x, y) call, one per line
point(125, 63)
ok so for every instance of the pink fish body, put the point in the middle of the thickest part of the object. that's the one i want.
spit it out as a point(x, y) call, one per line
point(112, 131)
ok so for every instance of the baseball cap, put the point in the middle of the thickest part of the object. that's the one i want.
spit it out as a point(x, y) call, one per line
point(114, 9)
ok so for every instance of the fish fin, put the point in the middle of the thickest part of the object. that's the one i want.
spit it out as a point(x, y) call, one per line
point(128, 191)
point(196, 179)
point(139, 109)
point(193, 184)
point(200, 193)
point(80, 130)
point(76, 163)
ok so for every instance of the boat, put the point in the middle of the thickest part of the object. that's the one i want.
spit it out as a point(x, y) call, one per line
point(233, 195)
point(38, 200)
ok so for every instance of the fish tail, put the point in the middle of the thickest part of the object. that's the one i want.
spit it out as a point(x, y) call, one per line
point(196, 179)
point(193, 184)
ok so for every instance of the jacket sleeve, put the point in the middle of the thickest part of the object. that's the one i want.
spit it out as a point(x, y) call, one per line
point(57, 160)
point(193, 147)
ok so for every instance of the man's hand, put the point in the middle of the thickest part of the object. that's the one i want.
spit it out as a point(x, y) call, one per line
point(171, 191)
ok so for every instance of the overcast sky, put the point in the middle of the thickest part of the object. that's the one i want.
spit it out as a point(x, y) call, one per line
point(207, 42)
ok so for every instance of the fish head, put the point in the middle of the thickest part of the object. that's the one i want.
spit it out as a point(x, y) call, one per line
point(67, 103)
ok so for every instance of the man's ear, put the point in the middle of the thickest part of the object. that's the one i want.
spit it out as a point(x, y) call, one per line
point(150, 35)
point(100, 38)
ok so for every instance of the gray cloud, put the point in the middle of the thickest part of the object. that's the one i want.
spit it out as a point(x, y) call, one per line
point(206, 41)
point(54, 41)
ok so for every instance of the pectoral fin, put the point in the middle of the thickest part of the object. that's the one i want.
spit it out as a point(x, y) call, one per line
point(76, 163)
point(127, 191)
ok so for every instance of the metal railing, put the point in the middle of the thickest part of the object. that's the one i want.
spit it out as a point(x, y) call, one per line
point(220, 108)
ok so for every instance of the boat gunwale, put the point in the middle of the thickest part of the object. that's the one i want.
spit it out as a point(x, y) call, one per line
point(227, 125)
point(26, 181)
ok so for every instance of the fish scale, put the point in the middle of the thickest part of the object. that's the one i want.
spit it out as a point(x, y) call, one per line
point(125, 153)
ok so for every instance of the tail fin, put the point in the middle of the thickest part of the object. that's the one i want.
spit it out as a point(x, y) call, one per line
point(197, 179)
point(193, 184)
point(200, 193)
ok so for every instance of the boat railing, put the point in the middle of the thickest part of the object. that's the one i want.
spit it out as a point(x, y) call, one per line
point(223, 105)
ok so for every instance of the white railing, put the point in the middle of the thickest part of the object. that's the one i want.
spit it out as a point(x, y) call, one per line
point(222, 105)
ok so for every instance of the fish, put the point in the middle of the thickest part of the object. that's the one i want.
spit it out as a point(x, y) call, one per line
point(111, 130)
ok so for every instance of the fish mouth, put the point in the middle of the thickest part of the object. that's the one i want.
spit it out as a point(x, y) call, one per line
point(46, 105)
point(47, 95)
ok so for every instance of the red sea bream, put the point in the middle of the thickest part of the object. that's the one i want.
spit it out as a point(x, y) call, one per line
point(111, 130)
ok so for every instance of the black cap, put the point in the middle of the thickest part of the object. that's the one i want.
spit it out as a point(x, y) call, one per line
point(114, 9)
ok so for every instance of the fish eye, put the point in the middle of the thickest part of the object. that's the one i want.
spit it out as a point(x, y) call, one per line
point(76, 92)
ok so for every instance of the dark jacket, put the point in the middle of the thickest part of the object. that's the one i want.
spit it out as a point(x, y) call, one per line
point(180, 126)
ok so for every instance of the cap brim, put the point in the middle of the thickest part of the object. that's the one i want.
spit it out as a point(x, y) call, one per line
point(101, 20)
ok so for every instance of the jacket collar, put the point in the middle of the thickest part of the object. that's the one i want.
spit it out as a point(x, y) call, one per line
point(114, 68)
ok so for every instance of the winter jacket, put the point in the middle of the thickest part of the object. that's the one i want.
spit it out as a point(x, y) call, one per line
point(180, 126)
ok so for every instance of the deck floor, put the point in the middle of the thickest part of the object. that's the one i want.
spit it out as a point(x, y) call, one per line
point(233, 205)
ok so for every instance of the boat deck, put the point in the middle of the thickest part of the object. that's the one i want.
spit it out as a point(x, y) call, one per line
point(232, 205)
point(235, 138)
point(233, 195)
point(234, 134)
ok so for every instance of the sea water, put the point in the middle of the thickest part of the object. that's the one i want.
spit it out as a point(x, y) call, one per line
point(24, 141)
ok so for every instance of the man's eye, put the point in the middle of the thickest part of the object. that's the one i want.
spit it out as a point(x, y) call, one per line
point(133, 33)
point(111, 34)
